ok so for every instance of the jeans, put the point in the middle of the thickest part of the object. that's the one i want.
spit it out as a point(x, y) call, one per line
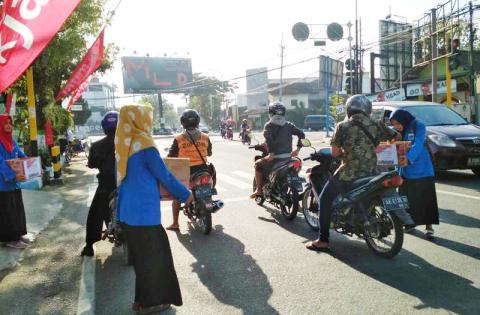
point(332, 189)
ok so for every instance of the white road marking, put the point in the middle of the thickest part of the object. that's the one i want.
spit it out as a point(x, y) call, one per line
point(233, 181)
point(244, 174)
point(457, 194)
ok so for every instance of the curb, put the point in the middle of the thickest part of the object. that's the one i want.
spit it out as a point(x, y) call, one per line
point(86, 293)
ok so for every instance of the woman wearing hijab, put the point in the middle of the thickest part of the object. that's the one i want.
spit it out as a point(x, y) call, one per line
point(13, 225)
point(417, 171)
point(139, 172)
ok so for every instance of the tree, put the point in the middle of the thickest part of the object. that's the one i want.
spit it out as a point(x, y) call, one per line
point(57, 62)
point(81, 117)
point(207, 95)
point(169, 112)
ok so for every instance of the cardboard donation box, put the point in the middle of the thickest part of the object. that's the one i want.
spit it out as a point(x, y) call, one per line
point(180, 168)
point(29, 167)
point(389, 154)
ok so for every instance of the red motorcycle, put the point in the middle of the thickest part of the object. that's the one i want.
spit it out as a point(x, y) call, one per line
point(229, 133)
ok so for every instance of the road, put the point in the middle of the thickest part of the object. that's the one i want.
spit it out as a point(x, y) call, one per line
point(254, 261)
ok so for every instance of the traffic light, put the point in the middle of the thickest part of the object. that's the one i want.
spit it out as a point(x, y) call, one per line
point(350, 82)
point(454, 60)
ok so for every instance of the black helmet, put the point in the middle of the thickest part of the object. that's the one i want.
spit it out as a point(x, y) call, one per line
point(276, 108)
point(190, 119)
point(358, 104)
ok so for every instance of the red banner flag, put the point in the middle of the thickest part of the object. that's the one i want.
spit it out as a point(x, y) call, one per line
point(26, 28)
point(88, 65)
point(78, 92)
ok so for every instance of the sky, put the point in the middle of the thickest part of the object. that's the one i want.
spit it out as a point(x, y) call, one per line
point(225, 38)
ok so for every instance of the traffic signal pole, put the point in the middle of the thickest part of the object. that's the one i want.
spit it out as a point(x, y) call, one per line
point(448, 76)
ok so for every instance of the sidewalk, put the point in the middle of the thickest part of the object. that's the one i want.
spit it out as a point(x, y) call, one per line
point(41, 207)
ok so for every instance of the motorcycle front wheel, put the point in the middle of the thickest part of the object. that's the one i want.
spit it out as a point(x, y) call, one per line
point(258, 200)
point(384, 232)
point(290, 207)
point(310, 209)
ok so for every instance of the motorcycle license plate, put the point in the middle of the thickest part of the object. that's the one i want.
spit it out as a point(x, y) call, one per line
point(296, 182)
point(203, 191)
point(395, 203)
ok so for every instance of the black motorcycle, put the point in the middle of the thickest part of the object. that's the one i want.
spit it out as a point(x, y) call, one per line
point(282, 187)
point(201, 209)
point(372, 209)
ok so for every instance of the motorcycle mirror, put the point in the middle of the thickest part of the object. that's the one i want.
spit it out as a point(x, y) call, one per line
point(306, 143)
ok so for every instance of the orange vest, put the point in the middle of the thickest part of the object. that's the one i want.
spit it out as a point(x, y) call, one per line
point(187, 150)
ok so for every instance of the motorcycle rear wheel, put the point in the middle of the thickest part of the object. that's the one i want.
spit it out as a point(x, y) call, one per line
point(387, 225)
point(258, 200)
point(205, 223)
point(290, 209)
point(309, 202)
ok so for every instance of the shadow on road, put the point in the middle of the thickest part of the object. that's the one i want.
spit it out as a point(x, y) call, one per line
point(231, 275)
point(464, 249)
point(455, 218)
point(434, 287)
point(460, 179)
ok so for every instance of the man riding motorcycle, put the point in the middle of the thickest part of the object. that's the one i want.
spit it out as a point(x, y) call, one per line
point(101, 156)
point(354, 141)
point(183, 147)
point(243, 129)
point(278, 134)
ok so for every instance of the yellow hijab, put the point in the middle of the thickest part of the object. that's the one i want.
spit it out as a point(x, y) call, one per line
point(132, 135)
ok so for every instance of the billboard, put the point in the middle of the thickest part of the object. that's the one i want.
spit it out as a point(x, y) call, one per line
point(150, 74)
point(257, 85)
point(395, 51)
point(331, 71)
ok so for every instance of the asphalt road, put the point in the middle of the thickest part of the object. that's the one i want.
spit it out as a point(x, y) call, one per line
point(254, 261)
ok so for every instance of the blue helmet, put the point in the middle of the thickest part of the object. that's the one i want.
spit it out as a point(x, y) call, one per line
point(109, 121)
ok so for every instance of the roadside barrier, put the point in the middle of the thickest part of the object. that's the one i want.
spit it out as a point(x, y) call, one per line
point(57, 167)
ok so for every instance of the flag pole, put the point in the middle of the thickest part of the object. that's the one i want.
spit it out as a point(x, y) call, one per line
point(32, 116)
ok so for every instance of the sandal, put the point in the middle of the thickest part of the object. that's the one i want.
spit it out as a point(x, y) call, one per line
point(172, 227)
point(315, 248)
point(256, 195)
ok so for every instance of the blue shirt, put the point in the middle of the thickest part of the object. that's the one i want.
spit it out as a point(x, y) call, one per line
point(419, 161)
point(7, 176)
point(138, 194)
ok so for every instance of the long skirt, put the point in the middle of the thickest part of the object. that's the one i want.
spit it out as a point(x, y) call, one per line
point(422, 198)
point(156, 280)
point(13, 223)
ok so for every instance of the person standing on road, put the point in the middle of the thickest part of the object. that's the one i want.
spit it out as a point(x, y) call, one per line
point(417, 172)
point(193, 145)
point(278, 133)
point(13, 224)
point(140, 170)
point(354, 141)
point(102, 157)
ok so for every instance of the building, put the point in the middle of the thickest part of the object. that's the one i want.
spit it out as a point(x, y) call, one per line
point(100, 96)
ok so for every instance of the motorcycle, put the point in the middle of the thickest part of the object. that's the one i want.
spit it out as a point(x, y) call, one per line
point(201, 209)
point(223, 132)
point(229, 133)
point(372, 209)
point(246, 136)
point(282, 187)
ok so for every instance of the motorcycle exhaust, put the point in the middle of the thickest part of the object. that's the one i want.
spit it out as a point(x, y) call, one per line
point(214, 206)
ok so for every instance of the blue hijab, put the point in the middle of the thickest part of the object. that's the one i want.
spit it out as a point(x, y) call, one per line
point(403, 117)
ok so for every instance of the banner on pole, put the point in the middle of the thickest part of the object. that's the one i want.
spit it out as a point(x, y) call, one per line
point(90, 62)
point(26, 28)
point(78, 92)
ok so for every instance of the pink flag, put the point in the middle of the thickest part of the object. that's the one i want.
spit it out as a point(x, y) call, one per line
point(26, 28)
point(78, 92)
point(90, 62)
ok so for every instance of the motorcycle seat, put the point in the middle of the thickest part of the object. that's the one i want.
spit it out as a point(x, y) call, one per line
point(280, 164)
point(362, 181)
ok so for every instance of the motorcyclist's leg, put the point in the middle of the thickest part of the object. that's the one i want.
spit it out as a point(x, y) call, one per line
point(259, 171)
point(176, 213)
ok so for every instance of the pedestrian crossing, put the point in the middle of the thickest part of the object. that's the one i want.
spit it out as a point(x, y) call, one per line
point(240, 180)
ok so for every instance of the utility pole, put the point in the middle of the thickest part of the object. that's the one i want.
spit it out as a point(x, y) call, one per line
point(356, 47)
point(281, 69)
point(470, 61)
point(433, 28)
point(160, 110)
point(349, 25)
point(360, 71)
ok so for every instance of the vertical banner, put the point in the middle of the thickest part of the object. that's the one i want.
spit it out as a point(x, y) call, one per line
point(26, 28)
point(10, 104)
point(78, 92)
point(90, 62)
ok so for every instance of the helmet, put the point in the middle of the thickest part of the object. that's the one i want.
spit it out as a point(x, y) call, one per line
point(358, 104)
point(190, 119)
point(277, 108)
point(244, 121)
point(109, 121)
